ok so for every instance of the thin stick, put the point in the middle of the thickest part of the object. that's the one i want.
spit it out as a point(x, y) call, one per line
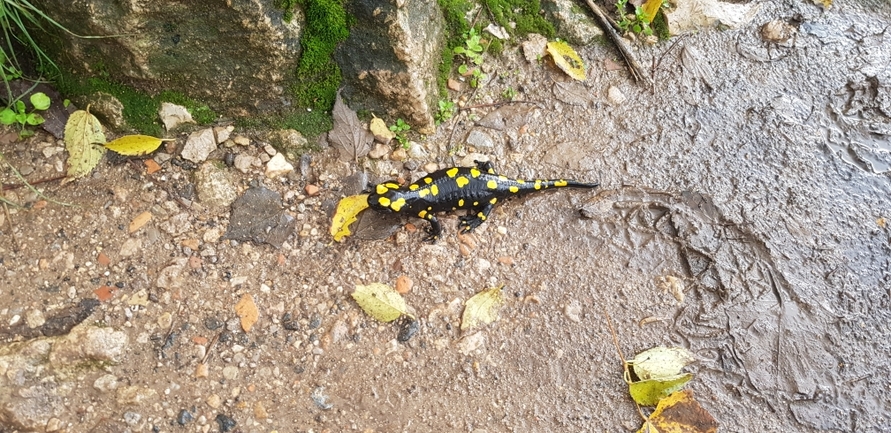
point(636, 70)
point(627, 374)
point(15, 242)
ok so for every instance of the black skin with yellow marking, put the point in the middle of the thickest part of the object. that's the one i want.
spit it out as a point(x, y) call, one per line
point(476, 189)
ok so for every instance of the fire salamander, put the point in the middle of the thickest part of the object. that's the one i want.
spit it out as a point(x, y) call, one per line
point(475, 189)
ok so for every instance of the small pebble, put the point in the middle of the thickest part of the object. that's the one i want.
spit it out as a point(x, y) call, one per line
point(184, 417)
point(404, 284)
point(226, 424)
point(311, 190)
point(214, 401)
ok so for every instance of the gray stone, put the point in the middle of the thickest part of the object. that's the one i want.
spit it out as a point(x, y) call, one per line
point(278, 166)
point(89, 344)
point(237, 54)
point(391, 59)
point(173, 115)
point(480, 139)
point(291, 142)
point(244, 162)
point(214, 186)
point(571, 22)
point(106, 383)
point(108, 109)
point(199, 145)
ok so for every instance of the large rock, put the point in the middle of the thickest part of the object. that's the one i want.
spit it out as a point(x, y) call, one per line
point(390, 61)
point(235, 54)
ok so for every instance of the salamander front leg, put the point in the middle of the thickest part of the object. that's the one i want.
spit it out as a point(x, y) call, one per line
point(485, 166)
point(434, 230)
point(474, 218)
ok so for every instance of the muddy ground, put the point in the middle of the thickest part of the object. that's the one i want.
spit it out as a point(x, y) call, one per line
point(755, 173)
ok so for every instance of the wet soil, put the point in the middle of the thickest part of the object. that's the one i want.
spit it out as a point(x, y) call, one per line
point(754, 174)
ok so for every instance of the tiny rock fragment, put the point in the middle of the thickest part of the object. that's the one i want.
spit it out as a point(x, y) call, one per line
point(191, 243)
point(201, 370)
point(455, 85)
point(260, 411)
point(404, 284)
point(506, 260)
point(104, 293)
point(173, 115)
point(103, 259)
point(278, 166)
point(673, 285)
point(615, 96)
point(881, 222)
point(311, 190)
point(247, 311)
point(140, 220)
point(199, 145)
point(151, 166)
point(534, 47)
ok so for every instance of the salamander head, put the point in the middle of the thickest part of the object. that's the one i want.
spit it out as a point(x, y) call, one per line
point(387, 197)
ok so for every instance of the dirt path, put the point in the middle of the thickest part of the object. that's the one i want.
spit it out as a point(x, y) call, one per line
point(756, 175)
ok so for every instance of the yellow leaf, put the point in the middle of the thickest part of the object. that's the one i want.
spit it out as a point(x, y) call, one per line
point(660, 362)
point(482, 308)
point(135, 145)
point(82, 134)
point(347, 211)
point(567, 59)
point(650, 392)
point(650, 8)
point(380, 301)
point(680, 413)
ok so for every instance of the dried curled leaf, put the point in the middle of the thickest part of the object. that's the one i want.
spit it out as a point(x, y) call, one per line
point(660, 362)
point(380, 301)
point(83, 137)
point(680, 413)
point(482, 308)
point(567, 59)
point(348, 135)
point(347, 211)
point(135, 145)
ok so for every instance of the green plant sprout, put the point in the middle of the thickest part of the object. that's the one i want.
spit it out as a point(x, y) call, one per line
point(400, 128)
point(473, 54)
point(18, 113)
point(635, 22)
point(445, 112)
point(509, 93)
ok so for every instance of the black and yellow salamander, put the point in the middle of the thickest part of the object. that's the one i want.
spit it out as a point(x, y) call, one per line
point(475, 189)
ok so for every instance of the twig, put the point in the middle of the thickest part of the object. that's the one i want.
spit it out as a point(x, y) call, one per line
point(11, 186)
point(658, 63)
point(15, 243)
point(636, 70)
point(499, 104)
point(626, 374)
point(30, 185)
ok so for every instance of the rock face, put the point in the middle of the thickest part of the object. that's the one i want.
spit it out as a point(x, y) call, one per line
point(237, 53)
point(390, 60)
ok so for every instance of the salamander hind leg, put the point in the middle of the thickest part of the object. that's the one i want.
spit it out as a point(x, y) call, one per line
point(434, 230)
point(474, 218)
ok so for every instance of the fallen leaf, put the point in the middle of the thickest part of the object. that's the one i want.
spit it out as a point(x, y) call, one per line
point(573, 93)
point(567, 59)
point(83, 140)
point(104, 293)
point(660, 362)
point(247, 311)
point(482, 308)
point(135, 145)
point(258, 216)
point(650, 8)
point(139, 221)
point(650, 392)
point(347, 211)
point(348, 135)
point(380, 130)
point(680, 413)
point(380, 301)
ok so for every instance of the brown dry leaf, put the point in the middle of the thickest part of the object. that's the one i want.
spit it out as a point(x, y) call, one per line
point(151, 166)
point(348, 135)
point(247, 311)
point(680, 413)
point(140, 221)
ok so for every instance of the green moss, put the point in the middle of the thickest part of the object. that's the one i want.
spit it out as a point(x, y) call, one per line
point(317, 75)
point(140, 109)
point(287, 7)
point(660, 26)
point(310, 123)
point(456, 25)
point(525, 13)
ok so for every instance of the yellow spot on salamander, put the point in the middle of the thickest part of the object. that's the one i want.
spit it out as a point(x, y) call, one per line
point(476, 203)
point(381, 189)
point(423, 193)
point(494, 200)
point(537, 184)
point(392, 185)
point(422, 214)
point(514, 189)
point(413, 187)
point(492, 184)
point(474, 173)
point(385, 202)
point(397, 204)
point(482, 216)
point(521, 181)
point(452, 172)
point(560, 182)
point(502, 178)
point(428, 180)
point(460, 202)
point(434, 189)
point(461, 181)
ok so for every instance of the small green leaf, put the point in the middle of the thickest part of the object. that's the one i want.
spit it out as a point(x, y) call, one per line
point(19, 107)
point(649, 392)
point(7, 116)
point(66, 103)
point(462, 69)
point(21, 118)
point(459, 50)
point(380, 301)
point(34, 119)
point(40, 101)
